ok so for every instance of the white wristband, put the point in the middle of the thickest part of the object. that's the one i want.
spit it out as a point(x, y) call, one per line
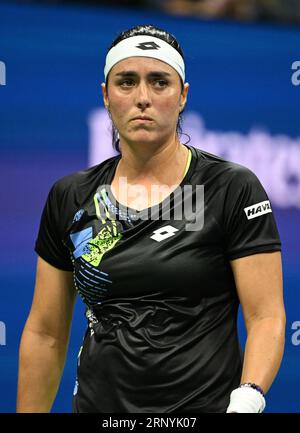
point(246, 400)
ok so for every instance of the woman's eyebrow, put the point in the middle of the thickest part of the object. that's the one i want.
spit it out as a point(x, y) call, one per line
point(159, 74)
point(150, 74)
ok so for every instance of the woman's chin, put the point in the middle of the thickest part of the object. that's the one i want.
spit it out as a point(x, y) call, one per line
point(144, 138)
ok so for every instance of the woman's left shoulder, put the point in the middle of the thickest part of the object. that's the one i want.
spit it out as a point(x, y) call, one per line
point(239, 173)
point(227, 171)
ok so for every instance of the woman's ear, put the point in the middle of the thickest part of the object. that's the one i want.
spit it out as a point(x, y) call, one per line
point(183, 97)
point(105, 97)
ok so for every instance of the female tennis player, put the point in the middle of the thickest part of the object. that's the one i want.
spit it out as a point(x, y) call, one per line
point(162, 242)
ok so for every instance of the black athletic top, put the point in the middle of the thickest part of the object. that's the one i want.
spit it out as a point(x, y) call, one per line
point(161, 298)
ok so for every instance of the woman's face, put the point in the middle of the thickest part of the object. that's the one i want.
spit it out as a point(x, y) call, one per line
point(144, 97)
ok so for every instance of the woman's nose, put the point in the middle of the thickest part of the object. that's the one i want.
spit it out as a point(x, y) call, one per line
point(143, 98)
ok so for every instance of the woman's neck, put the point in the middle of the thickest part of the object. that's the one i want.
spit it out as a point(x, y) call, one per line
point(164, 165)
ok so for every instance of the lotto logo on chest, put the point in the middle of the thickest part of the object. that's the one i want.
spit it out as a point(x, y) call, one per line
point(163, 233)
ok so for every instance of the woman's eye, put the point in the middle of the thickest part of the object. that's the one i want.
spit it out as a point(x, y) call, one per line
point(130, 83)
point(160, 83)
point(126, 83)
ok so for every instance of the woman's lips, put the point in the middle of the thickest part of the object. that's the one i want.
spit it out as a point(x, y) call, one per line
point(140, 119)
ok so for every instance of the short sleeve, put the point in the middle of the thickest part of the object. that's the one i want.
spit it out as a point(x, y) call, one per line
point(49, 244)
point(248, 217)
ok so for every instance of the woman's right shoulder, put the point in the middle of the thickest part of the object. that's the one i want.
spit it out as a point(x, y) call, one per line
point(83, 179)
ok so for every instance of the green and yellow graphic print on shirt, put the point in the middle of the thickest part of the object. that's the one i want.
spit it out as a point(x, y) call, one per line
point(91, 283)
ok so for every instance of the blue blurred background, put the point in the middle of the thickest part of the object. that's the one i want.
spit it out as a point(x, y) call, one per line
point(243, 105)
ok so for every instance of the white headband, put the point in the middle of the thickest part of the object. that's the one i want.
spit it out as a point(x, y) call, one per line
point(145, 46)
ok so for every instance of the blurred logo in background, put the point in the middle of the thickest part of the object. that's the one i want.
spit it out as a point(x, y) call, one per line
point(296, 334)
point(275, 159)
point(2, 334)
point(296, 74)
point(2, 74)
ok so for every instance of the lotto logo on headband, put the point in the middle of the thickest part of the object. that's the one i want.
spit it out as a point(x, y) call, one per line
point(147, 46)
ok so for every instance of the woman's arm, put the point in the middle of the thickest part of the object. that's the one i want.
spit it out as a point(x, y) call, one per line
point(259, 285)
point(45, 339)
